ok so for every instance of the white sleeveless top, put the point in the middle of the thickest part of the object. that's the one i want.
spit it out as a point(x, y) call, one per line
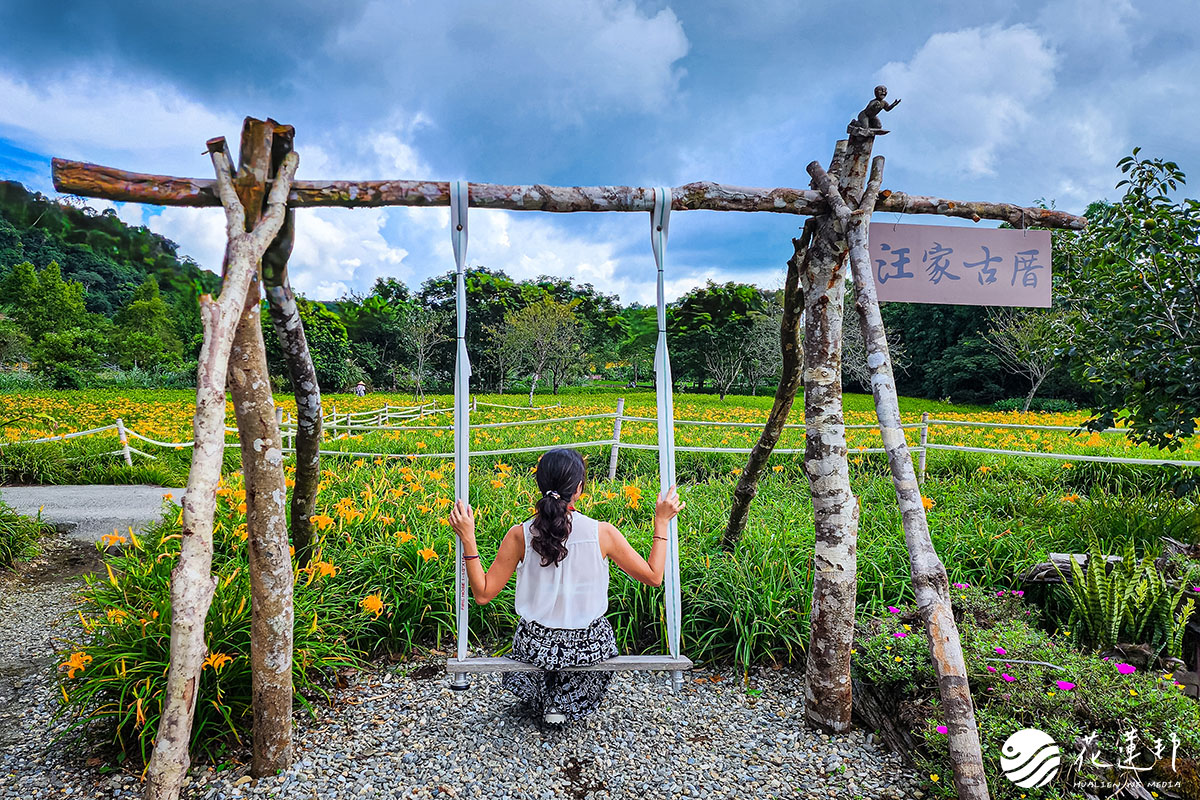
point(572, 593)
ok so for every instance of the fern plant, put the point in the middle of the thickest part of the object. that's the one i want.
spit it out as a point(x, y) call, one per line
point(1130, 602)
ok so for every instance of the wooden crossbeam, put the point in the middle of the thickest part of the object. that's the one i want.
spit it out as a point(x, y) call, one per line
point(93, 180)
point(619, 664)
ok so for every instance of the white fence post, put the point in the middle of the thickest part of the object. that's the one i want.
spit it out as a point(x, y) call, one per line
point(474, 405)
point(333, 422)
point(616, 445)
point(924, 441)
point(124, 439)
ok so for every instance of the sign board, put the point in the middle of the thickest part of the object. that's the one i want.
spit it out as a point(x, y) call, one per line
point(961, 266)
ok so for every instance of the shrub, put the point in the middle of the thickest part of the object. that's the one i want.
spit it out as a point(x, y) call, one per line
point(18, 536)
point(1000, 637)
point(1127, 603)
point(113, 675)
point(1050, 404)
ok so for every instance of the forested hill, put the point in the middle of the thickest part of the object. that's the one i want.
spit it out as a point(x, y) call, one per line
point(97, 249)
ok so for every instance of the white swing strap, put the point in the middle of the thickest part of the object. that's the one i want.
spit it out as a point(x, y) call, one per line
point(659, 222)
point(459, 196)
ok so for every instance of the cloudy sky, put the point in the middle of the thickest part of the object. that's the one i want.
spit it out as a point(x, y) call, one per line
point(1012, 101)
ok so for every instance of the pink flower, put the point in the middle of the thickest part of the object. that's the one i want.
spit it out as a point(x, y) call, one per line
point(1126, 669)
point(968, 586)
point(1064, 686)
point(991, 669)
point(1019, 593)
point(1001, 651)
point(1008, 677)
point(893, 610)
point(900, 634)
point(942, 729)
point(1001, 593)
point(1196, 588)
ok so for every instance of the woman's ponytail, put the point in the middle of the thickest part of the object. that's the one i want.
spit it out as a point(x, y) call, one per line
point(559, 474)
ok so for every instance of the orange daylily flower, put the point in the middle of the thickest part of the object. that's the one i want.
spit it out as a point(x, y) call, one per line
point(427, 553)
point(76, 663)
point(216, 661)
point(372, 604)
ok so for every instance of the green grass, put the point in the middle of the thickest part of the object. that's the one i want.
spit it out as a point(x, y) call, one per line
point(18, 537)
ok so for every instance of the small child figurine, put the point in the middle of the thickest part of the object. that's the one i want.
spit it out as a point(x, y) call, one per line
point(867, 123)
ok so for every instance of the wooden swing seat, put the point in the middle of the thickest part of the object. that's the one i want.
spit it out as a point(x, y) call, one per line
point(456, 666)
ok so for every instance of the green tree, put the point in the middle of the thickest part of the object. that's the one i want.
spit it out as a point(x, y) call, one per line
point(710, 329)
point(376, 326)
point(328, 343)
point(539, 339)
point(145, 334)
point(1134, 288)
point(491, 294)
point(41, 301)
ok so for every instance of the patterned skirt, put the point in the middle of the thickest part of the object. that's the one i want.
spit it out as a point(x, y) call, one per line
point(575, 694)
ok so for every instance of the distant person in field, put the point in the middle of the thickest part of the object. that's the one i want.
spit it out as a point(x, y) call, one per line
point(360, 389)
point(560, 557)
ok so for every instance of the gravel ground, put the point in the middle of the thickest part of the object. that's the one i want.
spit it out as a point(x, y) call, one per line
point(400, 732)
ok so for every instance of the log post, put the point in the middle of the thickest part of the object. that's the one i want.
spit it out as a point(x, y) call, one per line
point(616, 445)
point(192, 584)
point(271, 578)
point(123, 438)
point(924, 443)
point(289, 328)
point(785, 395)
point(930, 583)
point(827, 688)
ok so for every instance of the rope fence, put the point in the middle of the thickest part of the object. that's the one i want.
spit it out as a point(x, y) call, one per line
point(343, 425)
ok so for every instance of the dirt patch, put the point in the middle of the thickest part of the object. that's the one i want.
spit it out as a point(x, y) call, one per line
point(580, 771)
point(427, 672)
point(61, 557)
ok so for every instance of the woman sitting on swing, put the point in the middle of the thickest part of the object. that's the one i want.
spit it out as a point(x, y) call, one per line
point(559, 556)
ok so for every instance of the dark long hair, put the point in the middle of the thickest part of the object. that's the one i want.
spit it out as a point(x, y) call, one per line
point(559, 473)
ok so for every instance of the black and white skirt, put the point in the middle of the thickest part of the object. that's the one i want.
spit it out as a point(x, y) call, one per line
point(575, 694)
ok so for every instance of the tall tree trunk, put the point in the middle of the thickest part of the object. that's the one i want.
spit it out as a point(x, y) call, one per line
point(1037, 384)
point(930, 584)
point(192, 584)
point(785, 396)
point(827, 688)
point(271, 582)
point(285, 317)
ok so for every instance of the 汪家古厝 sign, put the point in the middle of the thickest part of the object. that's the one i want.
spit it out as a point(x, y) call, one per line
point(961, 266)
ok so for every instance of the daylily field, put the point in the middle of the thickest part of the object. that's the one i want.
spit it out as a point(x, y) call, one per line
point(380, 583)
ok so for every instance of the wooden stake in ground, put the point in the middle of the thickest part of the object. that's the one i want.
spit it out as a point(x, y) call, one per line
point(930, 584)
point(285, 317)
point(192, 584)
point(785, 395)
point(271, 579)
point(827, 689)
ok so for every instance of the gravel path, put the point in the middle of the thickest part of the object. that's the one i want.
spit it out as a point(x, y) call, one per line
point(399, 732)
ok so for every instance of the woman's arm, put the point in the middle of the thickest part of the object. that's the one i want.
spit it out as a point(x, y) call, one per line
point(614, 545)
point(485, 586)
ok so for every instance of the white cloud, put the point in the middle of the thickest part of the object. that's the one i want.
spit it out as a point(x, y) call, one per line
point(972, 93)
point(101, 118)
point(562, 58)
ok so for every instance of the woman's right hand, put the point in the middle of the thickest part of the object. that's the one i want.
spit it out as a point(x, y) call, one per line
point(668, 505)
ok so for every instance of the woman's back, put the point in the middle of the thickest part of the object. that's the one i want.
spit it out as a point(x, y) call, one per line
point(572, 593)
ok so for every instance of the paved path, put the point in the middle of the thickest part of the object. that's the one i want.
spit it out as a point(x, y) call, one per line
point(88, 512)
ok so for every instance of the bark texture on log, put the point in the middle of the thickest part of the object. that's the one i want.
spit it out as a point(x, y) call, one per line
point(785, 395)
point(192, 584)
point(93, 180)
point(285, 318)
point(827, 688)
point(271, 580)
point(930, 584)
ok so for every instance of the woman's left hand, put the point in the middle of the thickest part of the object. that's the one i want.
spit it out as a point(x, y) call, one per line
point(462, 520)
